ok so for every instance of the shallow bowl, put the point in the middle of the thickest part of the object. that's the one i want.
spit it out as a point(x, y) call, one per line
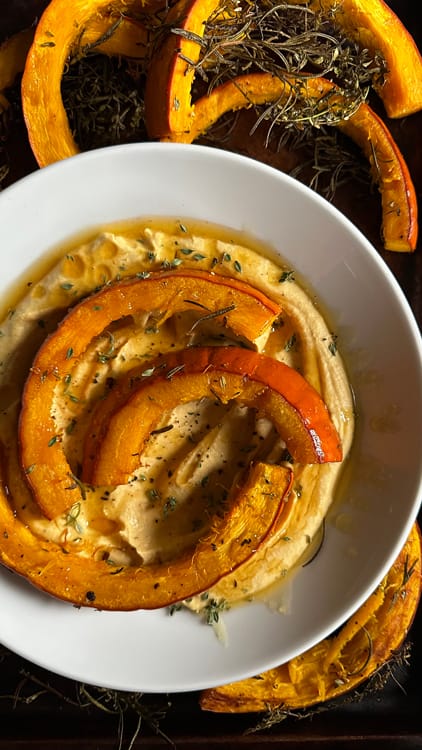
point(150, 651)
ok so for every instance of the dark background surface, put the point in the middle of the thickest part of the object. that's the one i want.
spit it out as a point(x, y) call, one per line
point(41, 711)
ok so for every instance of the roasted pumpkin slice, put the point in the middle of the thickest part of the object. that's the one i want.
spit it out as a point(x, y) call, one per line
point(389, 169)
point(252, 513)
point(374, 26)
point(171, 72)
point(61, 29)
point(336, 665)
point(224, 373)
point(245, 310)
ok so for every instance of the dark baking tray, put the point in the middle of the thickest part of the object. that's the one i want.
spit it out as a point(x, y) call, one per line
point(42, 711)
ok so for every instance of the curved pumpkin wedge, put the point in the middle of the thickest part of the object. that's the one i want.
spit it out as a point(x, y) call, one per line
point(171, 71)
point(253, 514)
point(336, 665)
point(62, 26)
point(390, 172)
point(245, 310)
point(374, 26)
point(224, 373)
point(389, 169)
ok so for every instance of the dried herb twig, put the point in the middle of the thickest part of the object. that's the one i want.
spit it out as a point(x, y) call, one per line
point(331, 163)
point(103, 101)
point(285, 40)
point(123, 705)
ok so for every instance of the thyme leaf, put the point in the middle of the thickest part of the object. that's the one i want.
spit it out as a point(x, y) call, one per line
point(212, 610)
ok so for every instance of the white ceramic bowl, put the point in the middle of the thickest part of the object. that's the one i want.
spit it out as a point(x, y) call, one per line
point(150, 651)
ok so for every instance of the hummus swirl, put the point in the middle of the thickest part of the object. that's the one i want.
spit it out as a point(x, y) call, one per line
point(192, 460)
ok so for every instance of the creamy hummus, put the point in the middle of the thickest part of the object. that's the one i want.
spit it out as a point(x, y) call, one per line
point(191, 462)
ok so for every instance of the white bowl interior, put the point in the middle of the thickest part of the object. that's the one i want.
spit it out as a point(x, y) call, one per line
point(150, 651)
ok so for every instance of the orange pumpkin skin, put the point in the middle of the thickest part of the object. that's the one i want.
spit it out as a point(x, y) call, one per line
point(172, 116)
point(370, 23)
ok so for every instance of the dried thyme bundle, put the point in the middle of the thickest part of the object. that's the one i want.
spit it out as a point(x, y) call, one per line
point(285, 40)
point(103, 101)
point(291, 42)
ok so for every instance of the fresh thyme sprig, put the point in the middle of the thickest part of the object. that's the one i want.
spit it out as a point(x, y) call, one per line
point(82, 50)
point(213, 608)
